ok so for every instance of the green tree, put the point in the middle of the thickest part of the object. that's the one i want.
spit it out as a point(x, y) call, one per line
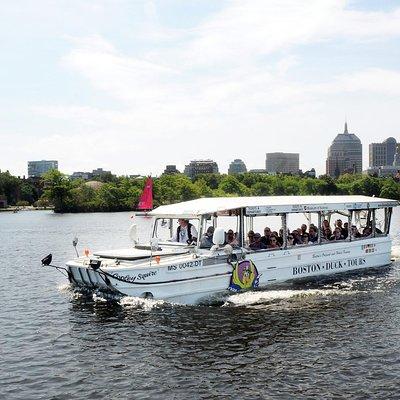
point(58, 190)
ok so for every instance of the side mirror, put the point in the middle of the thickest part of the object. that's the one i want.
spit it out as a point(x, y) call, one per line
point(219, 236)
point(133, 233)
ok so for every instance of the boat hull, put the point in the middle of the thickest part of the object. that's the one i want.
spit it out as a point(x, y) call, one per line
point(203, 278)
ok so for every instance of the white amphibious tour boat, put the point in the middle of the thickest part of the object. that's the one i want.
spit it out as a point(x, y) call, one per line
point(196, 272)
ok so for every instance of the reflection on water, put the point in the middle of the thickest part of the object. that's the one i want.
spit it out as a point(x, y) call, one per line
point(331, 338)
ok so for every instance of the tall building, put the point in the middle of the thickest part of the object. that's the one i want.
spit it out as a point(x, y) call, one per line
point(344, 154)
point(197, 167)
point(382, 153)
point(38, 168)
point(237, 166)
point(282, 163)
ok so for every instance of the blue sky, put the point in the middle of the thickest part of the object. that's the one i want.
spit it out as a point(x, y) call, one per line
point(134, 85)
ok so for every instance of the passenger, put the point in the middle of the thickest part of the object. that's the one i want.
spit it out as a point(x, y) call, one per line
point(354, 232)
point(280, 237)
point(313, 236)
point(250, 237)
point(325, 224)
point(273, 242)
point(267, 234)
point(305, 238)
point(231, 238)
point(337, 234)
point(345, 230)
point(186, 232)
point(303, 229)
point(326, 229)
point(296, 237)
point(206, 240)
point(367, 231)
point(257, 245)
point(290, 239)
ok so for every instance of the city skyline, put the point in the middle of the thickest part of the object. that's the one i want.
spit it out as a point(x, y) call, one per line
point(150, 83)
point(343, 157)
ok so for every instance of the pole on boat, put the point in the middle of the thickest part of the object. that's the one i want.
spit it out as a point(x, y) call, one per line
point(284, 227)
point(74, 243)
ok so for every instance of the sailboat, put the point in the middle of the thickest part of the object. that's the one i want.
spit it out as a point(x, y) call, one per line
point(146, 198)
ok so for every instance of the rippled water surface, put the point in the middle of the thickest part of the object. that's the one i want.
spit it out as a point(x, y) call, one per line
point(332, 339)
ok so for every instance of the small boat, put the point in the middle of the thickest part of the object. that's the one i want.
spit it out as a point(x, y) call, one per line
point(195, 272)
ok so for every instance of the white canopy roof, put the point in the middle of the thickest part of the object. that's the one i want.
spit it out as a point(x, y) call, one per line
point(270, 205)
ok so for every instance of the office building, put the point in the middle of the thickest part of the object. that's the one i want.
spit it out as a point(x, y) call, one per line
point(38, 168)
point(282, 163)
point(197, 167)
point(382, 153)
point(344, 154)
point(237, 166)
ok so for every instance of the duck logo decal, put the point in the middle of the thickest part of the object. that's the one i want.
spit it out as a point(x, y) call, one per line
point(244, 276)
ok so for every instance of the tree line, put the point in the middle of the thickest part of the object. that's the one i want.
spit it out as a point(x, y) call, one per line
point(112, 193)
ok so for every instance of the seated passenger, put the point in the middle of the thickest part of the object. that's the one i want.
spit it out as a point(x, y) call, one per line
point(303, 229)
point(290, 239)
point(354, 232)
point(296, 237)
point(267, 234)
point(186, 232)
point(231, 238)
point(326, 229)
point(280, 237)
point(257, 245)
point(273, 242)
point(250, 238)
point(206, 240)
point(305, 238)
point(326, 232)
point(312, 236)
point(325, 224)
point(367, 231)
point(345, 230)
point(337, 234)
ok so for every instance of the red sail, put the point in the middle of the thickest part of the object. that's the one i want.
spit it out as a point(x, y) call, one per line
point(146, 198)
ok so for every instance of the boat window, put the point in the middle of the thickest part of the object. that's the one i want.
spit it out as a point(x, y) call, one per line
point(380, 222)
point(230, 224)
point(263, 232)
point(302, 229)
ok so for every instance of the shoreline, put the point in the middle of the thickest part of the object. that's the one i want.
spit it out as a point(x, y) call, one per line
point(16, 209)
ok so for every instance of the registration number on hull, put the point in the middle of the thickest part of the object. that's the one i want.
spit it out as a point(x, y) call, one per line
point(185, 266)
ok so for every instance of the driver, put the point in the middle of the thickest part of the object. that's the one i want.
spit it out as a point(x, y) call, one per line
point(185, 233)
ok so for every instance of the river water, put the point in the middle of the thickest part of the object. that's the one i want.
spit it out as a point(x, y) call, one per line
point(337, 339)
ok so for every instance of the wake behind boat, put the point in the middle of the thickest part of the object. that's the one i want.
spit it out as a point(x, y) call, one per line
point(215, 251)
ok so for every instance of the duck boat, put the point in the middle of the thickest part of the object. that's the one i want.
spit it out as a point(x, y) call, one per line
point(192, 273)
